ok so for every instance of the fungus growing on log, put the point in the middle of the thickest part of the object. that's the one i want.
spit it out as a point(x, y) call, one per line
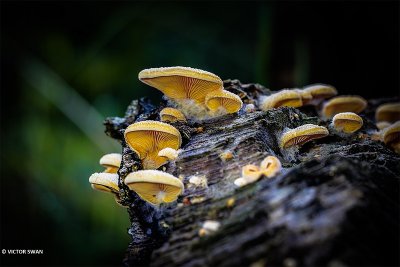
point(270, 166)
point(172, 115)
point(106, 182)
point(111, 162)
point(302, 135)
point(154, 186)
point(347, 122)
point(284, 98)
point(148, 138)
point(319, 92)
point(389, 112)
point(223, 100)
point(339, 104)
point(169, 153)
point(391, 136)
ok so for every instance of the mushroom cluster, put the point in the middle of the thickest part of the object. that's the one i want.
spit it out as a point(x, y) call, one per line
point(196, 93)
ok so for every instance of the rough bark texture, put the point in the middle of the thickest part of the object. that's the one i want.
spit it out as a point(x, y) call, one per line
point(335, 203)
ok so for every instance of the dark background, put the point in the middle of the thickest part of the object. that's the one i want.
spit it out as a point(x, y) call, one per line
point(66, 66)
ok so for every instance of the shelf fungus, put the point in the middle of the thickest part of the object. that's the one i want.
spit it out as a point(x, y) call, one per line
point(154, 186)
point(224, 100)
point(106, 182)
point(391, 136)
point(169, 153)
point(111, 162)
point(148, 138)
point(172, 115)
point(182, 82)
point(347, 122)
point(302, 135)
point(306, 96)
point(270, 166)
point(389, 112)
point(339, 104)
point(319, 92)
point(287, 98)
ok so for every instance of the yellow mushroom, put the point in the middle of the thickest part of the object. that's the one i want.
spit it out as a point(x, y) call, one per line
point(111, 162)
point(155, 186)
point(182, 82)
point(341, 104)
point(106, 182)
point(251, 173)
point(270, 166)
point(389, 112)
point(287, 98)
point(172, 115)
point(391, 136)
point(320, 92)
point(306, 96)
point(382, 125)
point(223, 99)
point(148, 138)
point(169, 153)
point(347, 122)
point(302, 135)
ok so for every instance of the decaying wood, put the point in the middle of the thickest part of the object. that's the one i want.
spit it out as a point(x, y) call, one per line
point(335, 203)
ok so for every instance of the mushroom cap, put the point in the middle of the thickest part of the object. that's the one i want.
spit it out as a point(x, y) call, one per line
point(222, 98)
point(106, 182)
point(182, 82)
point(111, 162)
point(306, 96)
point(270, 166)
point(341, 104)
point(251, 173)
point(155, 186)
point(147, 138)
point(382, 125)
point(302, 135)
point(287, 98)
point(168, 153)
point(391, 134)
point(347, 122)
point(172, 115)
point(320, 91)
point(388, 112)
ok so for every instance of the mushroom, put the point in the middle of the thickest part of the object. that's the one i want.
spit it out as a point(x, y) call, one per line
point(182, 82)
point(382, 125)
point(302, 135)
point(148, 138)
point(106, 182)
point(169, 153)
point(341, 104)
point(155, 186)
point(224, 100)
point(172, 115)
point(251, 173)
point(111, 162)
point(306, 96)
point(270, 166)
point(389, 112)
point(391, 136)
point(347, 122)
point(320, 92)
point(287, 98)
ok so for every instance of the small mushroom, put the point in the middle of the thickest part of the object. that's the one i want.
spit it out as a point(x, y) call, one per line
point(111, 162)
point(302, 135)
point(287, 98)
point(389, 112)
point(319, 92)
point(306, 96)
point(182, 82)
point(250, 108)
point(106, 182)
point(270, 166)
point(339, 104)
point(382, 125)
point(172, 115)
point(209, 227)
point(169, 153)
point(251, 173)
point(226, 155)
point(222, 99)
point(347, 122)
point(148, 138)
point(155, 186)
point(391, 136)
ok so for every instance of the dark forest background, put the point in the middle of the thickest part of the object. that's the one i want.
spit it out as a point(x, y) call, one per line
point(65, 66)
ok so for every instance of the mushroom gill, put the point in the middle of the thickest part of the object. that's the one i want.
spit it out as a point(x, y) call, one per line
point(347, 122)
point(302, 135)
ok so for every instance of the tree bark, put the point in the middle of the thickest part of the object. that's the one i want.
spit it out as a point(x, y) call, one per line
point(335, 203)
